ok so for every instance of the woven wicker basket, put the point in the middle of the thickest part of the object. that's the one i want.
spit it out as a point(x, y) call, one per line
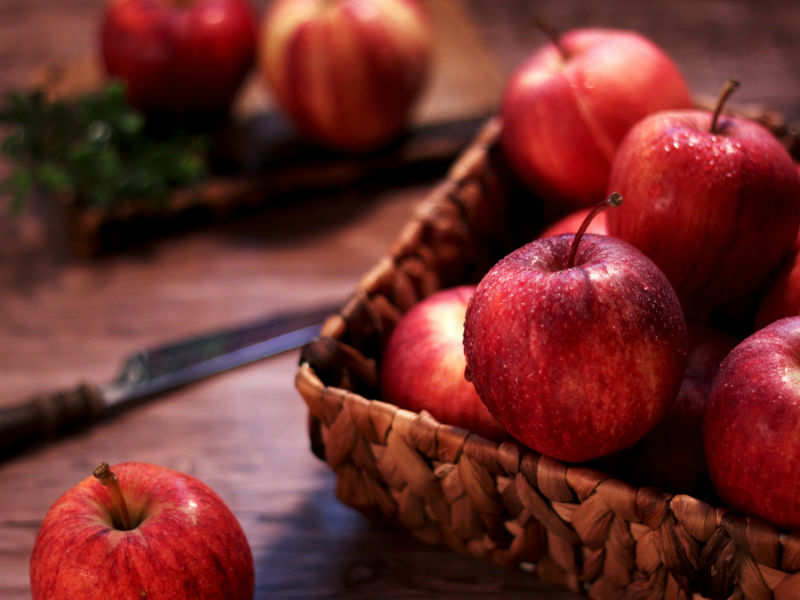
point(574, 526)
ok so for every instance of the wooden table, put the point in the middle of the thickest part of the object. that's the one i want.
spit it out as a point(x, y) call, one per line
point(63, 320)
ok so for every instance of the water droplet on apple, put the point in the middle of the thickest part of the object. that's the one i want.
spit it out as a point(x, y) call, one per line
point(732, 148)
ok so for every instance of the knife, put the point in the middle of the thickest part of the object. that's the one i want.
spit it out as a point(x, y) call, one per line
point(150, 372)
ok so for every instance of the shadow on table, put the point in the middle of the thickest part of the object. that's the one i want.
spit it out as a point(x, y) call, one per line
point(296, 217)
point(36, 246)
point(332, 551)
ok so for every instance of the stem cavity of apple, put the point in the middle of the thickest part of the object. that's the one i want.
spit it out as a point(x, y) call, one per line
point(727, 89)
point(119, 510)
point(614, 199)
point(553, 36)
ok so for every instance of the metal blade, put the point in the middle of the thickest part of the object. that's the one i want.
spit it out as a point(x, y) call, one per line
point(157, 370)
point(171, 365)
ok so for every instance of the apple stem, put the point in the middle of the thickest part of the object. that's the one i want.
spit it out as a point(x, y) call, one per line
point(119, 510)
point(727, 89)
point(614, 199)
point(552, 35)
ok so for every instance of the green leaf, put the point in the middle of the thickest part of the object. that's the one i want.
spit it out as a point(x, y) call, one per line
point(130, 123)
point(97, 146)
point(189, 168)
point(15, 144)
point(107, 164)
point(53, 177)
point(115, 93)
point(19, 186)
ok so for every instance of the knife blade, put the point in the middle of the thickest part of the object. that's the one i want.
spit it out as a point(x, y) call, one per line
point(153, 371)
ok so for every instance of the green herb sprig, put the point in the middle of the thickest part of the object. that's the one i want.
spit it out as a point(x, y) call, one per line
point(95, 147)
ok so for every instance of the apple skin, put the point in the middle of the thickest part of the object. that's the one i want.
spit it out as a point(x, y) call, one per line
point(423, 364)
point(752, 422)
point(179, 56)
point(580, 362)
point(671, 456)
point(563, 120)
point(188, 544)
point(572, 222)
point(347, 72)
point(716, 212)
point(782, 296)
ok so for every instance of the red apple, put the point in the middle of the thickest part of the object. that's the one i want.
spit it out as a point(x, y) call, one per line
point(566, 109)
point(671, 456)
point(179, 55)
point(571, 223)
point(782, 296)
point(716, 206)
point(576, 358)
point(141, 531)
point(347, 72)
point(423, 364)
point(752, 425)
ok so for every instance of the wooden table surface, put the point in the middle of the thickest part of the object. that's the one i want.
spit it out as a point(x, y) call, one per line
point(63, 320)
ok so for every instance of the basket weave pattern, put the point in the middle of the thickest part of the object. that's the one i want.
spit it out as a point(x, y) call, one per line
point(575, 527)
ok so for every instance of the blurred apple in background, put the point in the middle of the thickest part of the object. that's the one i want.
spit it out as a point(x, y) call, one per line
point(752, 424)
point(423, 364)
point(715, 203)
point(578, 354)
point(140, 531)
point(566, 109)
point(179, 55)
point(671, 456)
point(347, 72)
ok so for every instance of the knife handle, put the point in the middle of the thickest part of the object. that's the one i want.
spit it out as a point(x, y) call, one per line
point(48, 415)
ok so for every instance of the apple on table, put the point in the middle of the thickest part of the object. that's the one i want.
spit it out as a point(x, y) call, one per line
point(711, 199)
point(347, 72)
point(179, 55)
point(139, 530)
point(423, 364)
point(576, 344)
point(567, 107)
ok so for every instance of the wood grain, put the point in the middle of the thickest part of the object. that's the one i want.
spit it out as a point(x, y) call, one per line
point(64, 320)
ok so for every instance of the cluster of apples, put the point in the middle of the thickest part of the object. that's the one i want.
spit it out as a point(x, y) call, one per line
point(346, 72)
point(626, 342)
